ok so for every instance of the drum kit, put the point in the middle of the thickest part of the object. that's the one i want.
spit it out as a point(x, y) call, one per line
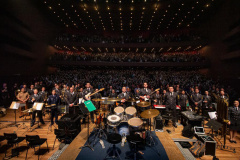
point(126, 121)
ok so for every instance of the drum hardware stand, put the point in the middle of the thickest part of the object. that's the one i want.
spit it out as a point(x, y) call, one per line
point(88, 145)
point(100, 132)
point(22, 126)
point(50, 128)
point(31, 129)
point(151, 140)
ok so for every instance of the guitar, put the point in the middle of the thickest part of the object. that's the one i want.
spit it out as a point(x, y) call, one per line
point(87, 96)
point(145, 96)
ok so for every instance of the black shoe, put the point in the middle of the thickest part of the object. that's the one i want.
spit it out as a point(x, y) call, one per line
point(230, 141)
point(234, 141)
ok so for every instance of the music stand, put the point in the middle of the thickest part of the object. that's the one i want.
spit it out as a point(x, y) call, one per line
point(37, 106)
point(90, 108)
point(15, 105)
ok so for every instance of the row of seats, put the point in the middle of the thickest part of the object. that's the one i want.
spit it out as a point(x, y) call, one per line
point(32, 141)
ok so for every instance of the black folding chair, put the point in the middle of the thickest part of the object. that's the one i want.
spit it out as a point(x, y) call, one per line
point(60, 135)
point(35, 141)
point(12, 140)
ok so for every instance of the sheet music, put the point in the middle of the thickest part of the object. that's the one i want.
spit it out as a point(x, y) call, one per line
point(212, 115)
point(38, 106)
point(80, 100)
point(16, 105)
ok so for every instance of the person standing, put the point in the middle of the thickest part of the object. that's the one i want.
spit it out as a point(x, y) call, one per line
point(32, 99)
point(234, 121)
point(54, 100)
point(171, 102)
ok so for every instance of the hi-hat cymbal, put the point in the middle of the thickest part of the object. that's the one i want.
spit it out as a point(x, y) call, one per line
point(131, 100)
point(98, 100)
point(114, 99)
point(150, 113)
point(143, 104)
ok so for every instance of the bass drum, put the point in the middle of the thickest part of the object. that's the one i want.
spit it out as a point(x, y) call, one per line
point(123, 129)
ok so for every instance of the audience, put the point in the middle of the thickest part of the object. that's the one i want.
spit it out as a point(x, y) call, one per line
point(141, 38)
point(129, 57)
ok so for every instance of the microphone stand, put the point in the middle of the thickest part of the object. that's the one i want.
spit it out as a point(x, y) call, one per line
point(88, 145)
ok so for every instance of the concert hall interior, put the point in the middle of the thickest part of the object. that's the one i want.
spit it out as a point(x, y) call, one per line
point(120, 79)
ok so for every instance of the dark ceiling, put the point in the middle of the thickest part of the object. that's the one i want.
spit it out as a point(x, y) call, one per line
point(129, 15)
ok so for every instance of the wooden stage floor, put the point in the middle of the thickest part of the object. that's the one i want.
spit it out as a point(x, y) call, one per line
point(73, 150)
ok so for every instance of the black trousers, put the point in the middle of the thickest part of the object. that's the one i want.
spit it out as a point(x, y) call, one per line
point(174, 114)
point(39, 114)
point(54, 114)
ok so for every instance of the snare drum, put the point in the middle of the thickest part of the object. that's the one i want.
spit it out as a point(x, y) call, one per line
point(135, 124)
point(130, 112)
point(119, 111)
point(113, 120)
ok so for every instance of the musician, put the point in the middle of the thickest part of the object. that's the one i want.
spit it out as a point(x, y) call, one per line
point(86, 91)
point(110, 90)
point(197, 100)
point(71, 100)
point(58, 91)
point(145, 92)
point(234, 121)
point(124, 96)
point(30, 91)
point(223, 96)
point(207, 102)
point(163, 96)
point(183, 100)
point(137, 94)
point(113, 94)
point(25, 88)
point(129, 92)
point(23, 97)
point(81, 94)
point(43, 94)
point(156, 98)
point(54, 100)
point(171, 102)
point(5, 96)
point(32, 99)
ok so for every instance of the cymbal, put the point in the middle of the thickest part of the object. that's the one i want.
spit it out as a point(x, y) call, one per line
point(131, 100)
point(98, 100)
point(143, 104)
point(150, 113)
point(114, 99)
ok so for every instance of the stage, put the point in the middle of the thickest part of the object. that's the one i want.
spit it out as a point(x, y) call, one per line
point(72, 151)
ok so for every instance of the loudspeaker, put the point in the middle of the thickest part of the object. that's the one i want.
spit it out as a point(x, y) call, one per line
point(159, 123)
point(70, 122)
point(83, 109)
point(188, 131)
